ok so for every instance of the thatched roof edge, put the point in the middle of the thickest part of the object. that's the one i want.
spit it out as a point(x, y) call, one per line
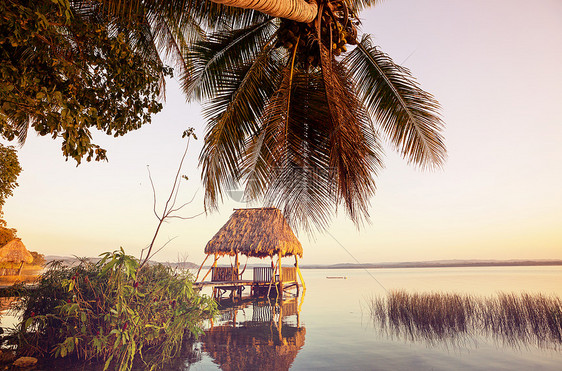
point(257, 232)
point(15, 251)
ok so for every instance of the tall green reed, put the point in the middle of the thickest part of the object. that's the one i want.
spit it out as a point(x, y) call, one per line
point(514, 319)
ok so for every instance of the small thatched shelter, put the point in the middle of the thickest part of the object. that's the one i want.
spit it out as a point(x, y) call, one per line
point(16, 253)
point(259, 233)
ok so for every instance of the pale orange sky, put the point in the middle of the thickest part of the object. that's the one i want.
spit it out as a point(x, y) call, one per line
point(493, 65)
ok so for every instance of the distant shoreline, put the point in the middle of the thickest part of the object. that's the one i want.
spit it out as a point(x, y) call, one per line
point(438, 264)
point(389, 265)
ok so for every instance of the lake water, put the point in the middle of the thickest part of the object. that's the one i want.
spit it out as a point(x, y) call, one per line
point(330, 327)
point(334, 331)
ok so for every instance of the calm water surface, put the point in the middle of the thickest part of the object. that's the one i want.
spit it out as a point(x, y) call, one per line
point(334, 331)
point(330, 328)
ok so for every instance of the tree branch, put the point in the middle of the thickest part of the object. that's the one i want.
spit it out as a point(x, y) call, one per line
point(169, 207)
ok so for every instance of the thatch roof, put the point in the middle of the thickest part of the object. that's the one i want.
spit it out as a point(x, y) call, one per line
point(15, 251)
point(255, 232)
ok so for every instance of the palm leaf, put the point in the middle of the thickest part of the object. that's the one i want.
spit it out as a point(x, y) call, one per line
point(220, 53)
point(173, 39)
point(287, 163)
point(232, 118)
point(355, 153)
point(206, 13)
point(15, 125)
point(407, 114)
point(173, 25)
point(359, 5)
point(143, 32)
point(315, 149)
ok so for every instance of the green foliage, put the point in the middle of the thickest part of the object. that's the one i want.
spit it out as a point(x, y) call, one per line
point(295, 117)
point(38, 259)
point(112, 312)
point(67, 70)
point(10, 169)
point(6, 234)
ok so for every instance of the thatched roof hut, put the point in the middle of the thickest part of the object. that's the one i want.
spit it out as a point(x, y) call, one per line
point(15, 252)
point(258, 232)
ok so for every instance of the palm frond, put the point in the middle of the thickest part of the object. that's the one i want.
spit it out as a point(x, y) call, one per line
point(174, 24)
point(206, 13)
point(354, 150)
point(237, 18)
point(173, 39)
point(141, 30)
point(232, 118)
point(215, 16)
point(359, 5)
point(287, 163)
point(315, 150)
point(407, 114)
point(15, 125)
point(222, 52)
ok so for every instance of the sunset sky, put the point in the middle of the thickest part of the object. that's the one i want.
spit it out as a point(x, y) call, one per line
point(495, 67)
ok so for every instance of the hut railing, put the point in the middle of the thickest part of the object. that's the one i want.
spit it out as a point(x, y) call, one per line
point(261, 313)
point(263, 274)
point(221, 274)
point(288, 274)
point(9, 271)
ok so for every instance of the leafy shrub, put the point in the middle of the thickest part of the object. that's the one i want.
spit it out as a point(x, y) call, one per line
point(6, 234)
point(38, 258)
point(111, 311)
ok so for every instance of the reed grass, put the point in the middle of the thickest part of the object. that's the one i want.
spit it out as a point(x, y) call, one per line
point(514, 319)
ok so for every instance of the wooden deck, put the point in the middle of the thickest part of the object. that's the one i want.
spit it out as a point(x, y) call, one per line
point(264, 283)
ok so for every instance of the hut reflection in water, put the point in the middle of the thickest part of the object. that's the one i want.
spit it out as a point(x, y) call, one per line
point(256, 335)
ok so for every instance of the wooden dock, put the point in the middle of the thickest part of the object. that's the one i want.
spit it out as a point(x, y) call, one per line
point(224, 279)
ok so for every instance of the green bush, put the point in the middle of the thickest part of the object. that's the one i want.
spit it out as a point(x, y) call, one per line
point(112, 312)
point(38, 258)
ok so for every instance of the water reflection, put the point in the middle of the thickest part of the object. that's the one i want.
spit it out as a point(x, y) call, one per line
point(453, 319)
point(256, 334)
point(6, 308)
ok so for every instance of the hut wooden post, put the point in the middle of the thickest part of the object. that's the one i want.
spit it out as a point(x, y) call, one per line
point(280, 291)
point(272, 282)
point(299, 310)
point(199, 270)
point(296, 267)
point(20, 268)
point(280, 323)
point(299, 272)
point(236, 264)
point(210, 269)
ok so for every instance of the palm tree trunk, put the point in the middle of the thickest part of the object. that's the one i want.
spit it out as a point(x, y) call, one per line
point(296, 10)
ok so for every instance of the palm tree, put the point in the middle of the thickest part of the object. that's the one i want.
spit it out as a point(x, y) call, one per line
point(295, 117)
point(293, 114)
point(296, 10)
